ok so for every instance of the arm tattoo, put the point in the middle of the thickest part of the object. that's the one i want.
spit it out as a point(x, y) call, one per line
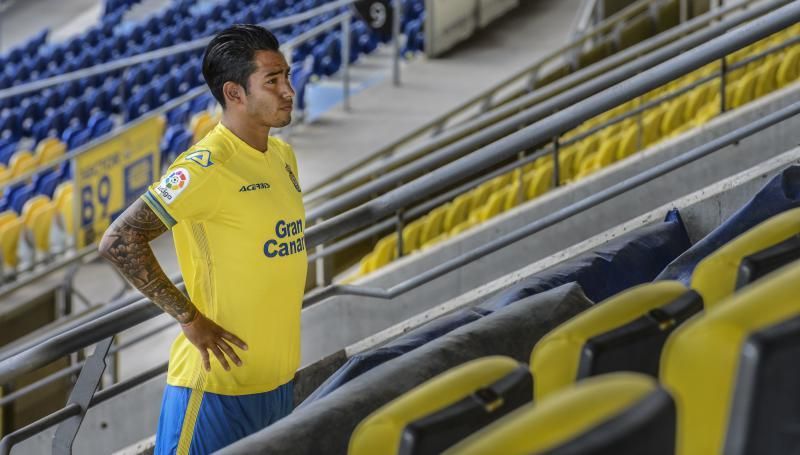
point(126, 244)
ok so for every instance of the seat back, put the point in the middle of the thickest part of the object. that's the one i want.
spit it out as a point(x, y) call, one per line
point(619, 413)
point(442, 411)
point(716, 276)
point(741, 354)
point(623, 333)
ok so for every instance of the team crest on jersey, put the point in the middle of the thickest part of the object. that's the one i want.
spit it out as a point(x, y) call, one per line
point(201, 157)
point(293, 178)
point(173, 184)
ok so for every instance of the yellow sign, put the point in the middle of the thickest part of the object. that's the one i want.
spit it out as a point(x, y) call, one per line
point(109, 177)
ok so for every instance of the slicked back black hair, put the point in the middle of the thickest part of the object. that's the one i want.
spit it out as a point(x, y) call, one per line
point(229, 56)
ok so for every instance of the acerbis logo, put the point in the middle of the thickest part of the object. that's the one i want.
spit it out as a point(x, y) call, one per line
point(254, 186)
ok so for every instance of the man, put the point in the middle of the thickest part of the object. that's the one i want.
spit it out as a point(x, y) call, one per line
point(235, 209)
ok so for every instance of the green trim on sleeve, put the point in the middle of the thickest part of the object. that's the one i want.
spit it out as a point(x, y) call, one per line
point(159, 209)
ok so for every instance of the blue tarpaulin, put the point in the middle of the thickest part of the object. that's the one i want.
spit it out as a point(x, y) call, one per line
point(778, 195)
point(634, 258)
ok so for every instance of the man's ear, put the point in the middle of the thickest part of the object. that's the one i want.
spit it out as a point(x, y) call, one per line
point(233, 93)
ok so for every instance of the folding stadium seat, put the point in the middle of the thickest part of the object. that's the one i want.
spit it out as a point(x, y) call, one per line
point(738, 262)
point(514, 195)
point(492, 207)
point(627, 143)
point(10, 231)
point(385, 251)
point(744, 91)
point(538, 182)
point(673, 117)
point(456, 213)
point(623, 333)
point(733, 371)
point(20, 197)
point(201, 124)
point(49, 149)
point(789, 68)
point(766, 77)
point(62, 234)
point(21, 163)
point(411, 234)
point(80, 138)
point(619, 413)
point(432, 225)
point(444, 410)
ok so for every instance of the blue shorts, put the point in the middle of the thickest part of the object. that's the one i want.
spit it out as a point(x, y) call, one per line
point(196, 422)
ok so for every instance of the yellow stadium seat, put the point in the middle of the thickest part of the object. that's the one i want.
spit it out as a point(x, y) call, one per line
point(652, 126)
point(442, 411)
point(21, 163)
point(7, 216)
point(456, 213)
point(673, 117)
point(717, 276)
point(438, 239)
point(789, 68)
point(617, 413)
point(201, 124)
point(696, 99)
point(586, 147)
point(734, 367)
point(463, 226)
point(63, 198)
point(627, 143)
point(566, 158)
point(623, 333)
point(607, 153)
point(411, 235)
point(514, 195)
point(493, 206)
point(744, 91)
point(49, 149)
point(538, 183)
point(366, 266)
point(9, 241)
point(433, 224)
point(767, 78)
point(479, 196)
point(5, 174)
point(40, 225)
point(31, 207)
point(385, 251)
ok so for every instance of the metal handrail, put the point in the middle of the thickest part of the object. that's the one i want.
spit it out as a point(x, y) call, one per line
point(513, 118)
point(484, 97)
point(558, 216)
point(541, 131)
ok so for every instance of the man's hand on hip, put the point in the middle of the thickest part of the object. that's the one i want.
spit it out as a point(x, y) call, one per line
point(208, 336)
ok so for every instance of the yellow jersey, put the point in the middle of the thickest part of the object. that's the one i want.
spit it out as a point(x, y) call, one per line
point(237, 218)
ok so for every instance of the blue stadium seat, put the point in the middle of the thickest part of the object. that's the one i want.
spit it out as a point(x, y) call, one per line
point(20, 197)
point(6, 151)
point(45, 182)
point(70, 132)
point(79, 139)
point(105, 126)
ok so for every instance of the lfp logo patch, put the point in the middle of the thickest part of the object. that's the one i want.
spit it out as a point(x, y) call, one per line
point(173, 184)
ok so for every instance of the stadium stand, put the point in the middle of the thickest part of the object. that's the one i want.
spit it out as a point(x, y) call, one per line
point(671, 332)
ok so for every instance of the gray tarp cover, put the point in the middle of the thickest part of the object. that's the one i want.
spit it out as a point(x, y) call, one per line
point(324, 427)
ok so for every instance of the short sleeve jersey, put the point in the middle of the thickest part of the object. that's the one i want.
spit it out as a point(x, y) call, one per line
point(238, 222)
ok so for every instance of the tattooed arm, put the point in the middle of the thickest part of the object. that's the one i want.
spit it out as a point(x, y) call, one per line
point(126, 244)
